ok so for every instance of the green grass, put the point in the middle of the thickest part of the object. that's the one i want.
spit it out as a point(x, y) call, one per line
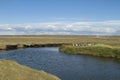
point(10, 70)
point(102, 51)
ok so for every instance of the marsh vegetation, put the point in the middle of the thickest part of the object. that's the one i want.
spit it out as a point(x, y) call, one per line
point(96, 50)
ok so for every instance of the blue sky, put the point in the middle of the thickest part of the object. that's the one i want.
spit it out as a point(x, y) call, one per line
point(69, 17)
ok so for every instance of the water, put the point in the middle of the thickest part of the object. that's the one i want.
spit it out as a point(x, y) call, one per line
point(66, 67)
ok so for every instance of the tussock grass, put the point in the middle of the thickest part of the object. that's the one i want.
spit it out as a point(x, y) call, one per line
point(102, 50)
point(10, 70)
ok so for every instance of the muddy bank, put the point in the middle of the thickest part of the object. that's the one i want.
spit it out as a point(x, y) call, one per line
point(18, 46)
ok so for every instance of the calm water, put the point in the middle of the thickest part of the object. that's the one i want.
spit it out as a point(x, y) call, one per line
point(67, 67)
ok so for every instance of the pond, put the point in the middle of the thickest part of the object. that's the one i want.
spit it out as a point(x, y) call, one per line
point(66, 67)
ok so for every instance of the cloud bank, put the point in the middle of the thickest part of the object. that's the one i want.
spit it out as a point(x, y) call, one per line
point(63, 28)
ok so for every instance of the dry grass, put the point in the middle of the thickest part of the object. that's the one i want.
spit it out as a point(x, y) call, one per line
point(10, 70)
point(111, 40)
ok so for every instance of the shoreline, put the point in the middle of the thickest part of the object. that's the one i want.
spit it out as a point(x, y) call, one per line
point(11, 70)
point(98, 51)
point(19, 46)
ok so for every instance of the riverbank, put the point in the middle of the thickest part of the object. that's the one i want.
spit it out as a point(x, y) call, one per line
point(32, 41)
point(18, 46)
point(10, 70)
point(97, 50)
point(23, 41)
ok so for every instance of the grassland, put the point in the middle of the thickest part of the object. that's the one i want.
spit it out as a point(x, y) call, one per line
point(10, 70)
point(44, 39)
point(96, 50)
point(104, 45)
point(107, 46)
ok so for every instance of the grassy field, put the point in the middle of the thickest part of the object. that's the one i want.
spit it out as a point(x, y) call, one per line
point(108, 42)
point(10, 70)
point(107, 46)
point(96, 50)
point(44, 39)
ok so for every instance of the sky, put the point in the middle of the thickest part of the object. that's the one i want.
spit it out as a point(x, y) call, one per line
point(59, 17)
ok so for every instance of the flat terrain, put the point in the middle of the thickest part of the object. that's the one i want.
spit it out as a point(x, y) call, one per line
point(10, 70)
point(44, 39)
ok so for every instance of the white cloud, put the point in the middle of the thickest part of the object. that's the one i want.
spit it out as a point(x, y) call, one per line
point(92, 28)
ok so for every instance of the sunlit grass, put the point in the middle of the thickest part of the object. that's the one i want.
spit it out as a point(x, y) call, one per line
point(111, 40)
point(97, 50)
point(10, 70)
